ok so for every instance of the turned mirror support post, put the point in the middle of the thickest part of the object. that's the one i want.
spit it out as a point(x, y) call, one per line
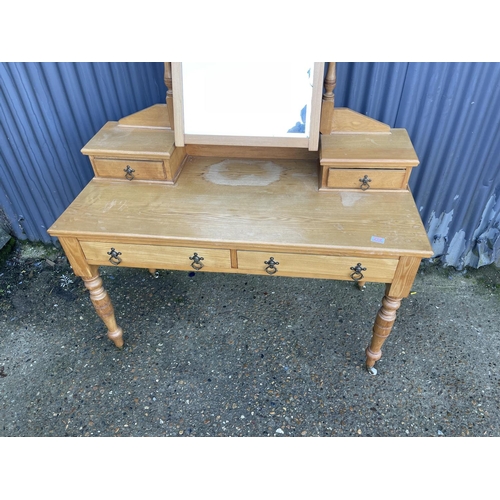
point(328, 103)
point(167, 77)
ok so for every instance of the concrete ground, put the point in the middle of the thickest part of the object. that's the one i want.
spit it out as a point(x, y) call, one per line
point(234, 355)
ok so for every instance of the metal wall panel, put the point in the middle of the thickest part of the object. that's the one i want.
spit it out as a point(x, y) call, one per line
point(454, 121)
point(373, 89)
point(48, 111)
point(452, 114)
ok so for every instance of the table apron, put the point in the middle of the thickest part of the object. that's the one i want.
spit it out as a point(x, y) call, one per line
point(200, 258)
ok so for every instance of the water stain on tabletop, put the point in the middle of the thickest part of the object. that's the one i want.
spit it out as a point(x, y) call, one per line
point(349, 198)
point(243, 173)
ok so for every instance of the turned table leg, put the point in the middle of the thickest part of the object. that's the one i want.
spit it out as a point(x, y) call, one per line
point(394, 292)
point(104, 308)
point(381, 330)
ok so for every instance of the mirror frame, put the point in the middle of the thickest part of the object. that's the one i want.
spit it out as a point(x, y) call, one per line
point(311, 142)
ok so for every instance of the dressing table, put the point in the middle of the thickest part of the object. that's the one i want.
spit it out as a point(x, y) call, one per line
point(327, 200)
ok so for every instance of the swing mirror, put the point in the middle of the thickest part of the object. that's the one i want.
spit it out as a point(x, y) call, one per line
point(248, 104)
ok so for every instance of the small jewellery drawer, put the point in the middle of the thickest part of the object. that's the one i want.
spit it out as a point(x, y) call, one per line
point(156, 256)
point(364, 179)
point(129, 169)
point(317, 266)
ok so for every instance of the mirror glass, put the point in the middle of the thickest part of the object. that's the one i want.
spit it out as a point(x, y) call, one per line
point(247, 99)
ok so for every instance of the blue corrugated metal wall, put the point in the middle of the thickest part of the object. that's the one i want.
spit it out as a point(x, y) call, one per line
point(49, 111)
point(452, 114)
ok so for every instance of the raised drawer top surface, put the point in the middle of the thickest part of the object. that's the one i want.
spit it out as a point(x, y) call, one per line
point(121, 140)
point(359, 149)
point(248, 204)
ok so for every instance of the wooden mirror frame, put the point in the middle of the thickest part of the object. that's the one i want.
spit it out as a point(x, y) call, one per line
point(311, 142)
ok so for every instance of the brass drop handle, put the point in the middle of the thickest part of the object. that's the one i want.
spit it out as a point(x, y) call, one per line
point(271, 266)
point(357, 275)
point(365, 183)
point(114, 259)
point(196, 264)
point(129, 172)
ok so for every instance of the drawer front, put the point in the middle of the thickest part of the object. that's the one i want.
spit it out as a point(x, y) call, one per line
point(366, 178)
point(156, 256)
point(317, 266)
point(129, 169)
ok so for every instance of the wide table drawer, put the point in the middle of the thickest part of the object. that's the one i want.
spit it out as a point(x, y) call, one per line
point(318, 266)
point(129, 169)
point(366, 178)
point(156, 256)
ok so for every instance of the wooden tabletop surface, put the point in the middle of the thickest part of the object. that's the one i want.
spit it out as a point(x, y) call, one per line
point(248, 204)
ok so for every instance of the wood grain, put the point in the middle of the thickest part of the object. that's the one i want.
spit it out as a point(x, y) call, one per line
point(117, 141)
point(382, 328)
point(76, 258)
point(115, 168)
point(263, 205)
point(251, 152)
point(345, 120)
point(228, 140)
point(155, 116)
point(317, 266)
point(390, 150)
point(167, 78)
point(315, 119)
point(155, 256)
point(328, 103)
point(404, 277)
point(343, 178)
point(104, 308)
